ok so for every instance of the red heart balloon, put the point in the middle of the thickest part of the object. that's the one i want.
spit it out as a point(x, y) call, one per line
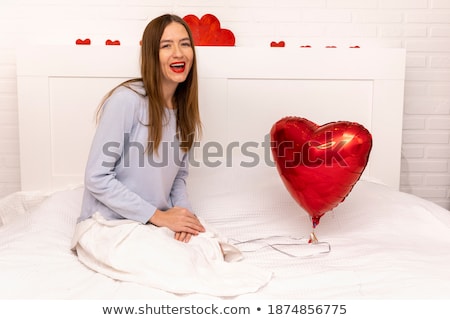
point(207, 31)
point(319, 165)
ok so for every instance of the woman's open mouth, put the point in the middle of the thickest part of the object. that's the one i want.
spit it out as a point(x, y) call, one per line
point(178, 67)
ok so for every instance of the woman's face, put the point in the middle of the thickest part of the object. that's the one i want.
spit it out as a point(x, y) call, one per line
point(175, 54)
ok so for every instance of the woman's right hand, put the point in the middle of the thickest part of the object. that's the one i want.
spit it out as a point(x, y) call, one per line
point(178, 220)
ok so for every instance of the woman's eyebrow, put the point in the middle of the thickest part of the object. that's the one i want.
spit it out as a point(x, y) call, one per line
point(171, 41)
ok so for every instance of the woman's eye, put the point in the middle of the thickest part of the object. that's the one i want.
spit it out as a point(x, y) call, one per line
point(186, 44)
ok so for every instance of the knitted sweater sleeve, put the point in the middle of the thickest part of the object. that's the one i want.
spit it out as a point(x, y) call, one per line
point(118, 118)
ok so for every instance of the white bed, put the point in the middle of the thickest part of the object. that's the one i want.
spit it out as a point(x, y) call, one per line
point(383, 243)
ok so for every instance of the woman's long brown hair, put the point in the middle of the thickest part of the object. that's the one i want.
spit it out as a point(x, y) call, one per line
point(186, 94)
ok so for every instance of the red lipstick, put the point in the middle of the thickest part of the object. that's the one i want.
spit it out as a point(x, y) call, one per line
point(178, 67)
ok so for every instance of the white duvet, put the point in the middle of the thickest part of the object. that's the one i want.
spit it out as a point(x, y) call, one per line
point(129, 251)
point(382, 244)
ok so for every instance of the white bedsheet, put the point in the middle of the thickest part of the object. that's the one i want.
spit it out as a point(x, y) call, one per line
point(384, 244)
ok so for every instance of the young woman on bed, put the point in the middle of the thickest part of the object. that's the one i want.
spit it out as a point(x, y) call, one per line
point(136, 223)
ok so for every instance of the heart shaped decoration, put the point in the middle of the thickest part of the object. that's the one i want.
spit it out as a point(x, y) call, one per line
point(110, 42)
point(280, 44)
point(207, 31)
point(83, 42)
point(319, 165)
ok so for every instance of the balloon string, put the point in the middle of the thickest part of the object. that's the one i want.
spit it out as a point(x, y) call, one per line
point(312, 238)
point(277, 246)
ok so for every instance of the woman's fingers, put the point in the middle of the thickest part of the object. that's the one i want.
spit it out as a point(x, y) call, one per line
point(178, 220)
point(188, 220)
point(183, 236)
point(196, 225)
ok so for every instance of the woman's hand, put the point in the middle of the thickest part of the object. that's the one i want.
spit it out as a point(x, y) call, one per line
point(180, 220)
point(183, 236)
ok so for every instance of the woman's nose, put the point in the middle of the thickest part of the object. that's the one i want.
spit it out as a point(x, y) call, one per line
point(177, 52)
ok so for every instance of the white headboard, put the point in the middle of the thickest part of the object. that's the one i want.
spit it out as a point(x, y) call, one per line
point(243, 92)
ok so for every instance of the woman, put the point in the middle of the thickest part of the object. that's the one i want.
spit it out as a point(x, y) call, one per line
point(136, 222)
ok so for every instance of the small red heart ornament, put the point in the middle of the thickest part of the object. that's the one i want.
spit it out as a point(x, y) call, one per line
point(280, 44)
point(319, 165)
point(110, 42)
point(207, 31)
point(83, 42)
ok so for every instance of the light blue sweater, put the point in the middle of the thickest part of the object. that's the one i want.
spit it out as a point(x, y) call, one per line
point(122, 179)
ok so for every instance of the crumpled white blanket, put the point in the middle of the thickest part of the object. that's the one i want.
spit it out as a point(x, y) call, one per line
point(130, 251)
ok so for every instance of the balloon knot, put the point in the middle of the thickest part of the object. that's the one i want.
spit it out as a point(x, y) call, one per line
point(313, 238)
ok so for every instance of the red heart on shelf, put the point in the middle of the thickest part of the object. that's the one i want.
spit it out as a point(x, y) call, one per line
point(280, 44)
point(83, 42)
point(319, 165)
point(207, 31)
point(112, 43)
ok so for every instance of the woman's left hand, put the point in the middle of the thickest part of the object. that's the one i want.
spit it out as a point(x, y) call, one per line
point(183, 236)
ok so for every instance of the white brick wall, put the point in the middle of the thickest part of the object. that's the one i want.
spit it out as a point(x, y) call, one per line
point(420, 26)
